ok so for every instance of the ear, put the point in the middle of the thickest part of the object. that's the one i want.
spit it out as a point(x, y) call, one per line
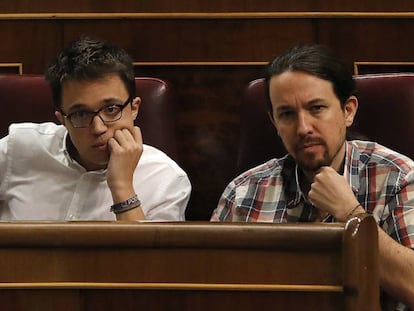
point(135, 107)
point(350, 109)
point(60, 117)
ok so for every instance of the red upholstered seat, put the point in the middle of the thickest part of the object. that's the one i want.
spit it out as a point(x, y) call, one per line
point(28, 98)
point(385, 115)
point(386, 110)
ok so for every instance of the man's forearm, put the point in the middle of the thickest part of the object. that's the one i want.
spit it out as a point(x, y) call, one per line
point(396, 268)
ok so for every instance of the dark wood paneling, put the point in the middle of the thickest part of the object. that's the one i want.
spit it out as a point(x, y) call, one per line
point(14, 68)
point(201, 5)
point(33, 43)
point(208, 125)
point(369, 39)
point(151, 300)
point(189, 266)
point(382, 67)
point(189, 40)
point(41, 300)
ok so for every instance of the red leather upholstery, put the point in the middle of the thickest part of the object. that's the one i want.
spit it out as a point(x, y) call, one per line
point(258, 140)
point(385, 115)
point(24, 98)
point(156, 116)
point(386, 110)
point(28, 98)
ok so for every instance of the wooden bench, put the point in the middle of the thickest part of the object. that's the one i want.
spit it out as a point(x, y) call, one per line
point(189, 266)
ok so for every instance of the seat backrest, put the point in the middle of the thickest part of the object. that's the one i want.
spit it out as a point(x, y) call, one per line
point(385, 115)
point(24, 98)
point(157, 114)
point(386, 110)
point(258, 141)
point(28, 98)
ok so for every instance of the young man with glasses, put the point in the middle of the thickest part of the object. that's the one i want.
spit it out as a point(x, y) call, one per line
point(94, 166)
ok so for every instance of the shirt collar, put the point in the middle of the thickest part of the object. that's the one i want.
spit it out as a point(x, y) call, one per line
point(351, 166)
point(291, 183)
point(71, 162)
point(290, 173)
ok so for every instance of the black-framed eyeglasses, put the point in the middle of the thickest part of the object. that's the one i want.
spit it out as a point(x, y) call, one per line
point(84, 118)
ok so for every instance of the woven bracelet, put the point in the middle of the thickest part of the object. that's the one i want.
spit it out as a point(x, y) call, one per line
point(126, 205)
point(126, 209)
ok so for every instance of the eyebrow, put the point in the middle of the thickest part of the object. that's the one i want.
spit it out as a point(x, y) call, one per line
point(315, 101)
point(105, 101)
point(283, 108)
point(310, 102)
point(77, 107)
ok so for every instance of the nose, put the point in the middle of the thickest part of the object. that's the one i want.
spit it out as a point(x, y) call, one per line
point(304, 125)
point(97, 126)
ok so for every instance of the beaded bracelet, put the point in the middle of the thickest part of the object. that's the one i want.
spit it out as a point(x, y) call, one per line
point(126, 205)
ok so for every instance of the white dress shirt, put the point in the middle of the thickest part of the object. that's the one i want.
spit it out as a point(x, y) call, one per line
point(40, 181)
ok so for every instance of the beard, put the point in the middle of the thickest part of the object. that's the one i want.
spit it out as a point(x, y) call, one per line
point(310, 163)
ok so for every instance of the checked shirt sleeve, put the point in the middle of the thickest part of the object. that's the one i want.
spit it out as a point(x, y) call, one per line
point(399, 212)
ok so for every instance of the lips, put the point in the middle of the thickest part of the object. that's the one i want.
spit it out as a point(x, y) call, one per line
point(99, 146)
point(310, 143)
point(304, 146)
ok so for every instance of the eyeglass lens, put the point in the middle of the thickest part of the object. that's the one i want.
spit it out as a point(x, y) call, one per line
point(107, 114)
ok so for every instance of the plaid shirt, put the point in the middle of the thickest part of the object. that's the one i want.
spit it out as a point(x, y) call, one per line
point(382, 180)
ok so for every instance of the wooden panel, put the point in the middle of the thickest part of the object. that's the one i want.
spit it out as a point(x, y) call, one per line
point(91, 265)
point(41, 300)
point(16, 68)
point(32, 43)
point(382, 67)
point(201, 5)
point(192, 266)
point(369, 39)
point(208, 126)
point(132, 300)
point(197, 40)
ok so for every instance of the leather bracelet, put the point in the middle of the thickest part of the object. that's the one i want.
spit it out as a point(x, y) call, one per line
point(126, 205)
point(353, 210)
point(126, 209)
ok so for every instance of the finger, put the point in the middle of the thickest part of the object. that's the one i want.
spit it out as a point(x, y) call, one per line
point(123, 137)
point(324, 169)
point(113, 144)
